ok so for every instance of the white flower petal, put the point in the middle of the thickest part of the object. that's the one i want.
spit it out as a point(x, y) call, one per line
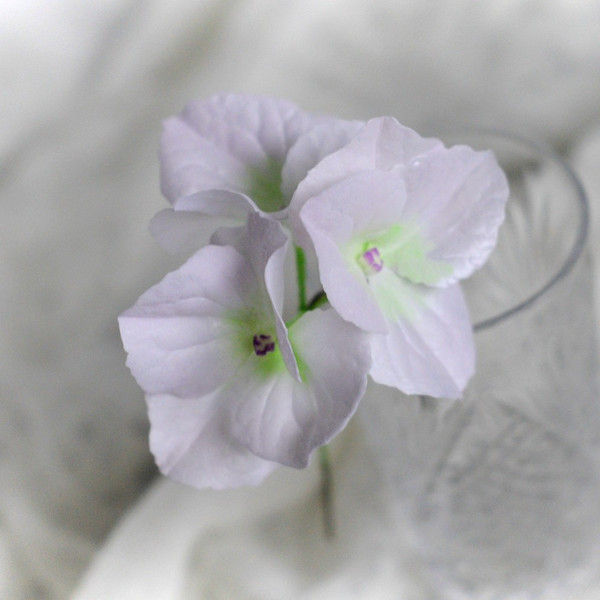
point(193, 355)
point(193, 219)
point(231, 142)
point(236, 237)
point(188, 442)
point(312, 147)
point(431, 350)
point(283, 420)
point(343, 280)
point(183, 232)
point(217, 203)
point(389, 143)
point(363, 204)
point(267, 248)
point(178, 335)
point(190, 163)
point(458, 197)
point(266, 245)
point(337, 357)
point(262, 416)
point(248, 127)
point(373, 200)
point(381, 144)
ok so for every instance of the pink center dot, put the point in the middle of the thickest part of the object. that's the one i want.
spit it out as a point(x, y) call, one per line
point(372, 261)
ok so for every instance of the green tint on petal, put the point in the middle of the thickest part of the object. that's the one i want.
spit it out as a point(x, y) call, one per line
point(270, 364)
point(244, 326)
point(265, 187)
point(404, 251)
point(302, 366)
point(397, 298)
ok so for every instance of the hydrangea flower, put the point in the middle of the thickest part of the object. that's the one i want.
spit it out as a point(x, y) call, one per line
point(396, 220)
point(235, 153)
point(240, 375)
point(232, 391)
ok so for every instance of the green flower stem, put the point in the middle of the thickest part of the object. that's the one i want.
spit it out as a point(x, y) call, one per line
point(317, 300)
point(326, 493)
point(301, 275)
point(326, 489)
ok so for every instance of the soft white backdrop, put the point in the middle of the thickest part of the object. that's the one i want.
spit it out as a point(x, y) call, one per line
point(85, 86)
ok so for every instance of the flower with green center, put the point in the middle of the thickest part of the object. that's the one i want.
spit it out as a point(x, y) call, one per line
point(232, 392)
point(235, 153)
point(396, 221)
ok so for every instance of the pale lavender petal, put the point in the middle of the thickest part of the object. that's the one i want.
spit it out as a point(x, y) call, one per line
point(193, 219)
point(262, 418)
point(217, 203)
point(365, 203)
point(190, 444)
point(178, 335)
point(248, 127)
point(266, 239)
point(236, 237)
point(222, 142)
point(372, 200)
point(190, 163)
point(337, 358)
point(268, 246)
point(458, 197)
point(185, 356)
point(343, 281)
point(283, 420)
point(381, 144)
point(312, 147)
point(453, 200)
point(430, 351)
point(184, 232)
point(392, 144)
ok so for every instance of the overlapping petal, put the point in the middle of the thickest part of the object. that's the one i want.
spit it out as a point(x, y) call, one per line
point(312, 147)
point(285, 420)
point(429, 348)
point(225, 141)
point(455, 197)
point(240, 433)
point(395, 221)
point(188, 226)
point(242, 144)
point(381, 144)
point(392, 220)
point(180, 335)
point(233, 154)
point(350, 210)
point(190, 444)
point(224, 408)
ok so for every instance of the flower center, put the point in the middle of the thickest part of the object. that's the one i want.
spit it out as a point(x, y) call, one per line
point(264, 187)
point(370, 261)
point(263, 344)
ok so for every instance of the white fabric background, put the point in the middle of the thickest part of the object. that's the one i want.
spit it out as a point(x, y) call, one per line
point(85, 86)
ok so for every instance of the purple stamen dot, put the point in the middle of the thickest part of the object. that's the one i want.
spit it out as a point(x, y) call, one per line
point(263, 344)
point(372, 259)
